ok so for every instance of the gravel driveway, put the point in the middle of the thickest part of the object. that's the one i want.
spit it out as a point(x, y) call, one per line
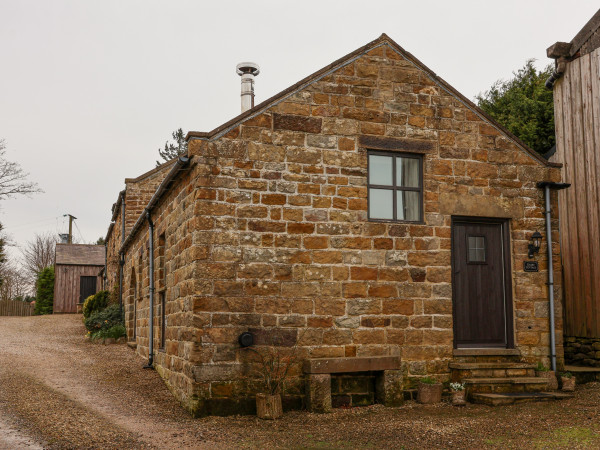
point(57, 390)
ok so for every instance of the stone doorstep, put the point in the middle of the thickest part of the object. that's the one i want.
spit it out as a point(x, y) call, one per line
point(490, 366)
point(486, 352)
point(351, 364)
point(510, 398)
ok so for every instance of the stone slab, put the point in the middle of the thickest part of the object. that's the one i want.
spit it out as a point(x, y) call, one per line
point(344, 365)
point(486, 352)
point(318, 393)
point(490, 366)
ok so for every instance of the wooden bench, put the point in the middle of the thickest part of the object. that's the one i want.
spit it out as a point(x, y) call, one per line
point(388, 381)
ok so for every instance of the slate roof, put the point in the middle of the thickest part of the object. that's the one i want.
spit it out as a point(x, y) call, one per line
point(80, 254)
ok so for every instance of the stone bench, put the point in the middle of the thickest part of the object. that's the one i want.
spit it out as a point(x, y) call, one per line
point(388, 381)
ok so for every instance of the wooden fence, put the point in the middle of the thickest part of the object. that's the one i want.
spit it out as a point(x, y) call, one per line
point(15, 308)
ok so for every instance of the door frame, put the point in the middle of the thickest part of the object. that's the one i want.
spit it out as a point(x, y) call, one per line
point(507, 256)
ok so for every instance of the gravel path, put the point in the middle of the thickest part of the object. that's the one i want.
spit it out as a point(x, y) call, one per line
point(57, 390)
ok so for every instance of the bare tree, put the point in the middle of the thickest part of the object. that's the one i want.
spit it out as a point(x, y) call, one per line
point(38, 254)
point(13, 179)
point(14, 282)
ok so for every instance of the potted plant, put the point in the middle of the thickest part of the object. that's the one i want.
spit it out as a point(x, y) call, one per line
point(429, 391)
point(458, 394)
point(542, 371)
point(568, 381)
point(271, 367)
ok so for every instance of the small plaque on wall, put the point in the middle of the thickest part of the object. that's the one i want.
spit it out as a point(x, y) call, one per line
point(530, 266)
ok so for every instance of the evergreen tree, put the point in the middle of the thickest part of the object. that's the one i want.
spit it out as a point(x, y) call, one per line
point(44, 285)
point(173, 149)
point(524, 106)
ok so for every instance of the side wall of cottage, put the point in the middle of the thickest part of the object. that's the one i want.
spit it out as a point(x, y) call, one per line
point(179, 349)
point(286, 250)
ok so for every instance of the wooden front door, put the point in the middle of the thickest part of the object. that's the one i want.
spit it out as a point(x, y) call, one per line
point(87, 287)
point(481, 283)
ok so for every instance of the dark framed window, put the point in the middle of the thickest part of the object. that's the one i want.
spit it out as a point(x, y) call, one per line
point(163, 320)
point(476, 249)
point(395, 186)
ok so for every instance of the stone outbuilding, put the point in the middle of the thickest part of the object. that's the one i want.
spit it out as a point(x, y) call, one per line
point(369, 216)
point(76, 271)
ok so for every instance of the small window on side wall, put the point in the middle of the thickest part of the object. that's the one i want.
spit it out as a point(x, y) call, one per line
point(395, 187)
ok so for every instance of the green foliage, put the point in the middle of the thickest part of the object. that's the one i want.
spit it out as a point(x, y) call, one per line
point(524, 106)
point(428, 380)
point(566, 375)
point(541, 368)
point(44, 291)
point(172, 150)
point(96, 302)
point(114, 332)
point(104, 319)
point(100, 241)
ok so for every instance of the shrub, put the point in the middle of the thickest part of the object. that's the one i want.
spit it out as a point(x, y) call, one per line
point(104, 319)
point(115, 332)
point(566, 375)
point(44, 286)
point(428, 380)
point(94, 303)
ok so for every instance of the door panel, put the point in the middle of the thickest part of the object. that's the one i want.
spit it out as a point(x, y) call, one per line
point(479, 275)
point(87, 287)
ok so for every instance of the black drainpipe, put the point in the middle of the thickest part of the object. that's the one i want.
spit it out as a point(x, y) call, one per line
point(105, 265)
point(122, 255)
point(150, 364)
point(547, 185)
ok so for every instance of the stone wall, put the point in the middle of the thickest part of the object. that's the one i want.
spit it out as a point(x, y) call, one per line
point(582, 351)
point(267, 232)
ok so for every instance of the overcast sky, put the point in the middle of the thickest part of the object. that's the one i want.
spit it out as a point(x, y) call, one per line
point(89, 90)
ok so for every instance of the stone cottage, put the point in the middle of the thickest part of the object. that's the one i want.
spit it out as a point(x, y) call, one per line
point(370, 215)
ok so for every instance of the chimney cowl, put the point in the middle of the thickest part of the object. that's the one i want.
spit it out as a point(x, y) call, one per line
point(247, 70)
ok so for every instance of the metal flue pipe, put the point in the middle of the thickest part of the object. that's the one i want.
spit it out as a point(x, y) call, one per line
point(247, 70)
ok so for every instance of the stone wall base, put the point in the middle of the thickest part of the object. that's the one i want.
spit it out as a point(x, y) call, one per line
point(581, 351)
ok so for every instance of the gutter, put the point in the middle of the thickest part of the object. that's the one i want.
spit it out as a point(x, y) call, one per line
point(547, 185)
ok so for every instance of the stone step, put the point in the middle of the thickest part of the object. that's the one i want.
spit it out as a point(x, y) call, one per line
point(504, 369)
point(502, 385)
point(508, 398)
point(584, 374)
point(490, 365)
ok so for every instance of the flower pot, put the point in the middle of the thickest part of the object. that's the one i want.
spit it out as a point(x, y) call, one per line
point(550, 375)
point(458, 398)
point(268, 406)
point(429, 393)
point(568, 384)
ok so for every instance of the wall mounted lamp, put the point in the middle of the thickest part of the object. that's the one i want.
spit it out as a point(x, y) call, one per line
point(534, 244)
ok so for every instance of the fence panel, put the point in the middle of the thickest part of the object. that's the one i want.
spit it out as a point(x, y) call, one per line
point(15, 308)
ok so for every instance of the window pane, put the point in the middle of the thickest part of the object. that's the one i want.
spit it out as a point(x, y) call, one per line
point(381, 204)
point(476, 248)
point(408, 205)
point(407, 172)
point(380, 170)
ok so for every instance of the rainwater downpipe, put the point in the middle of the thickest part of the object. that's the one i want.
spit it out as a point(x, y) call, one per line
point(547, 185)
point(122, 255)
point(150, 364)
